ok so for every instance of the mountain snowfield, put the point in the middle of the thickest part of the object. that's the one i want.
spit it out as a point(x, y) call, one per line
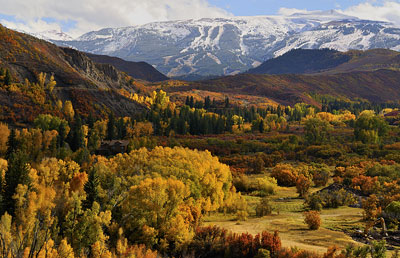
point(50, 35)
point(233, 45)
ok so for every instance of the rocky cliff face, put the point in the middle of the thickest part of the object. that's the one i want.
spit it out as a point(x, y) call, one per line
point(104, 73)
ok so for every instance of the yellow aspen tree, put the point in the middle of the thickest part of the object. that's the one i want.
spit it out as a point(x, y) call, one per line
point(65, 250)
point(68, 110)
point(4, 133)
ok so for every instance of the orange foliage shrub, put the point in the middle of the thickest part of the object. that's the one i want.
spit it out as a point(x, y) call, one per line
point(303, 185)
point(390, 192)
point(312, 219)
point(285, 174)
point(368, 185)
point(213, 241)
point(371, 208)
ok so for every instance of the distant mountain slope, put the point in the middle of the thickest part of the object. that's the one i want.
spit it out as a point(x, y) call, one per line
point(329, 61)
point(90, 86)
point(376, 86)
point(369, 60)
point(299, 61)
point(224, 46)
point(139, 70)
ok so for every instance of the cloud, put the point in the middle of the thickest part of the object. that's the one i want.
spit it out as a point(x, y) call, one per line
point(31, 25)
point(388, 11)
point(88, 15)
point(289, 11)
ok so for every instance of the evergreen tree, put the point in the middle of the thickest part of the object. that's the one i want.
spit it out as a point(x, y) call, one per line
point(207, 102)
point(220, 126)
point(187, 102)
point(229, 124)
point(227, 105)
point(182, 126)
point(199, 104)
point(121, 128)
point(191, 102)
point(17, 173)
point(157, 124)
point(279, 111)
point(12, 144)
point(261, 126)
point(90, 120)
point(76, 138)
point(62, 131)
point(111, 134)
point(91, 189)
point(7, 78)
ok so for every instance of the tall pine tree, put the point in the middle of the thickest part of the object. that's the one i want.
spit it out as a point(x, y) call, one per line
point(91, 189)
point(207, 102)
point(76, 137)
point(12, 144)
point(17, 173)
point(111, 134)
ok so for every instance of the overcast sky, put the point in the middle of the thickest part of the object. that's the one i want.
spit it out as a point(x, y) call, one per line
point(76, 17)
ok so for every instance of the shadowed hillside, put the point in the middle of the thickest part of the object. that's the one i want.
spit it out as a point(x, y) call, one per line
point(300, 61)
point(139, 70)
point(328, 61)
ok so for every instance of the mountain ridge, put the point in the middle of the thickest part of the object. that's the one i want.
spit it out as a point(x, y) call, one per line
point(329, 61)
point(226, 46)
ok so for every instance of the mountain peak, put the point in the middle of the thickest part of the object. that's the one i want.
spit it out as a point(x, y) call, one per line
point(223, 46)
point(50, 35)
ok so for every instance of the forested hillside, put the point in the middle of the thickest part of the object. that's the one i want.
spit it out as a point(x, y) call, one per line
point(377, 86)
point(37, 77)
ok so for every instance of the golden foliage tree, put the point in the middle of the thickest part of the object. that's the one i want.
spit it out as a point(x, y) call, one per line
point(68, 110)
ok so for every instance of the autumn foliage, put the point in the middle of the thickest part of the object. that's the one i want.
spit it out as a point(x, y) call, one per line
point(312, 219)
point(217, 242)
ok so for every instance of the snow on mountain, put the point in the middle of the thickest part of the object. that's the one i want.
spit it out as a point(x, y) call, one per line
point(52, 35)
point(231, 45)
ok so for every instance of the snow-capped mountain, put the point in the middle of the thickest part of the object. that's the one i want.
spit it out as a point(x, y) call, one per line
point(52, 35)
point(232, 45)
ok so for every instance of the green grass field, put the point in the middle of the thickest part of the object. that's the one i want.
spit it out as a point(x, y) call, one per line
point(287, 218)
